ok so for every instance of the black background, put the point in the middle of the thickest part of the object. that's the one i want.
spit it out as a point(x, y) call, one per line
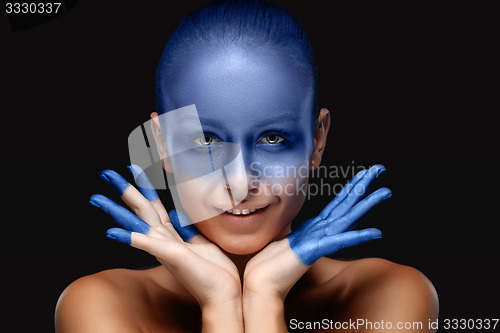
point(409, 86)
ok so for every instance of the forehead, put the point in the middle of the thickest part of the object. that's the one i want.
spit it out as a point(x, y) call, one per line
point(239, 83)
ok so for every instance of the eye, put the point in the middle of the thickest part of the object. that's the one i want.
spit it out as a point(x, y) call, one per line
point(272, 139)
point(206, 140)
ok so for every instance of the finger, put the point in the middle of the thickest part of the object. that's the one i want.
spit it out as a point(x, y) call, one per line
point(306, 247)
point(123, 216)
point(148, 191)
point(188, 232)
point(168, 251)
point(132, 197)
point(144, 184)
point(124, 236)
point(332, 244)
point(327, 245)
point(350, 219)
point(356, 192)
point(120, 235)
point(304, 226)
point(342, 194)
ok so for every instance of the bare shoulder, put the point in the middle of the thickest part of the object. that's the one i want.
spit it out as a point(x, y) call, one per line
point(382, 277)
point(101, 302)
point(379, 289)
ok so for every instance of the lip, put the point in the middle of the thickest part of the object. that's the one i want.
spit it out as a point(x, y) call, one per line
point(242, 206)
point(249, 220)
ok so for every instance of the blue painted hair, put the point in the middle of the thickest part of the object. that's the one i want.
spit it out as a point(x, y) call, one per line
point(232, 22)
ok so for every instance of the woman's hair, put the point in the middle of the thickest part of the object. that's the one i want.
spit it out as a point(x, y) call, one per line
point(237, 22)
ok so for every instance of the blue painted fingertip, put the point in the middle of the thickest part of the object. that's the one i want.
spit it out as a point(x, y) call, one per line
point(381, 171)
point(120, 235)
point(95, 204)
point(120, 214)
point(118, 182)
point(144, 184)
point(103, 176)
point(131, 169)
point(187, 231)
point(376, 233)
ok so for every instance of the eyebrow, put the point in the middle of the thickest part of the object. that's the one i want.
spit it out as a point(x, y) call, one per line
point(287, 117)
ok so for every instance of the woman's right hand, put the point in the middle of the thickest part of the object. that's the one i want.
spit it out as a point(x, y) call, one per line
point(204, 270)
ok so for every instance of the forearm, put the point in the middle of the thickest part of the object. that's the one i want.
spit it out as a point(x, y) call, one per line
point(264, 314)
point(222, 318)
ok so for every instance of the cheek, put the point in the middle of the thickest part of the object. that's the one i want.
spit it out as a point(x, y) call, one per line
point(289, 183)
point(292, 192)
point(289, 196)
point(199, 197)
point(284, 174)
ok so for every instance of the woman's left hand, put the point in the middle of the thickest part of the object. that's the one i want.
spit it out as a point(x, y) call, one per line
point(274, 270)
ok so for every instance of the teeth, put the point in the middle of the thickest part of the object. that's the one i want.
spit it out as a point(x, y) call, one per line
point(240, 212)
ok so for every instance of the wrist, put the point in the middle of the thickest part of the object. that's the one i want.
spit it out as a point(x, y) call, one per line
point(263, 294)
point(270, 302)
point(215, 306)
point(264, 312)
point(222, 316)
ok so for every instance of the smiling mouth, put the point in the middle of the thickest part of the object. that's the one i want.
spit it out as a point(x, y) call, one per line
point(240, 211)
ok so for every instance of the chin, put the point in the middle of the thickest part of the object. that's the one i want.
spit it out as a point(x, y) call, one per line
point(242, 249)
point(242, 244)
point(243, 237)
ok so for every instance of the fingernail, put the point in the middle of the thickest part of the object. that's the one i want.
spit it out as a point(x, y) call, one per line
point(144, 184)
point(111, 236)
point(388, 196)
point(376, 233)
point(103, 176)
point(135, 170)
point(381, 171)
point(131, 170)
point(117, 181)
point(93, 203)
point(119, 235)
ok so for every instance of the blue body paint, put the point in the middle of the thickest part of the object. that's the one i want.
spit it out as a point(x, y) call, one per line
point(244, 96)
point(211, 158)
point(115, 180)
point(143, 184)
point(258, 94)
point(331, 231)
point(124, 217)
point(188, 231)
point(120, 235)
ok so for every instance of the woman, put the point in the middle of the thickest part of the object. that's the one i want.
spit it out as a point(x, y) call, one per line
point(229, 261)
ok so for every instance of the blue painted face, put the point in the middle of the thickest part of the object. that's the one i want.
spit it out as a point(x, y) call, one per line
point(261, 101)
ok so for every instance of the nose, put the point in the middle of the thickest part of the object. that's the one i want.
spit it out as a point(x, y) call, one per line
point(239, 181)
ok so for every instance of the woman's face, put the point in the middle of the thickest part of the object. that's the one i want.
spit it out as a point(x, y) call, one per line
point(261, 104)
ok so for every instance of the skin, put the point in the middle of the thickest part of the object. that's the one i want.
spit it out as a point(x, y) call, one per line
point(226, 279)
point(239, 86)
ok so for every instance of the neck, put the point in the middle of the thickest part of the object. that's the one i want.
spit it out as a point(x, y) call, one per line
point(240, 261)
point(167, 281)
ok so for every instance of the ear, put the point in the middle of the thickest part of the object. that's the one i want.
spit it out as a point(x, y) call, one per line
point(160, 142)
point(320, 135)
